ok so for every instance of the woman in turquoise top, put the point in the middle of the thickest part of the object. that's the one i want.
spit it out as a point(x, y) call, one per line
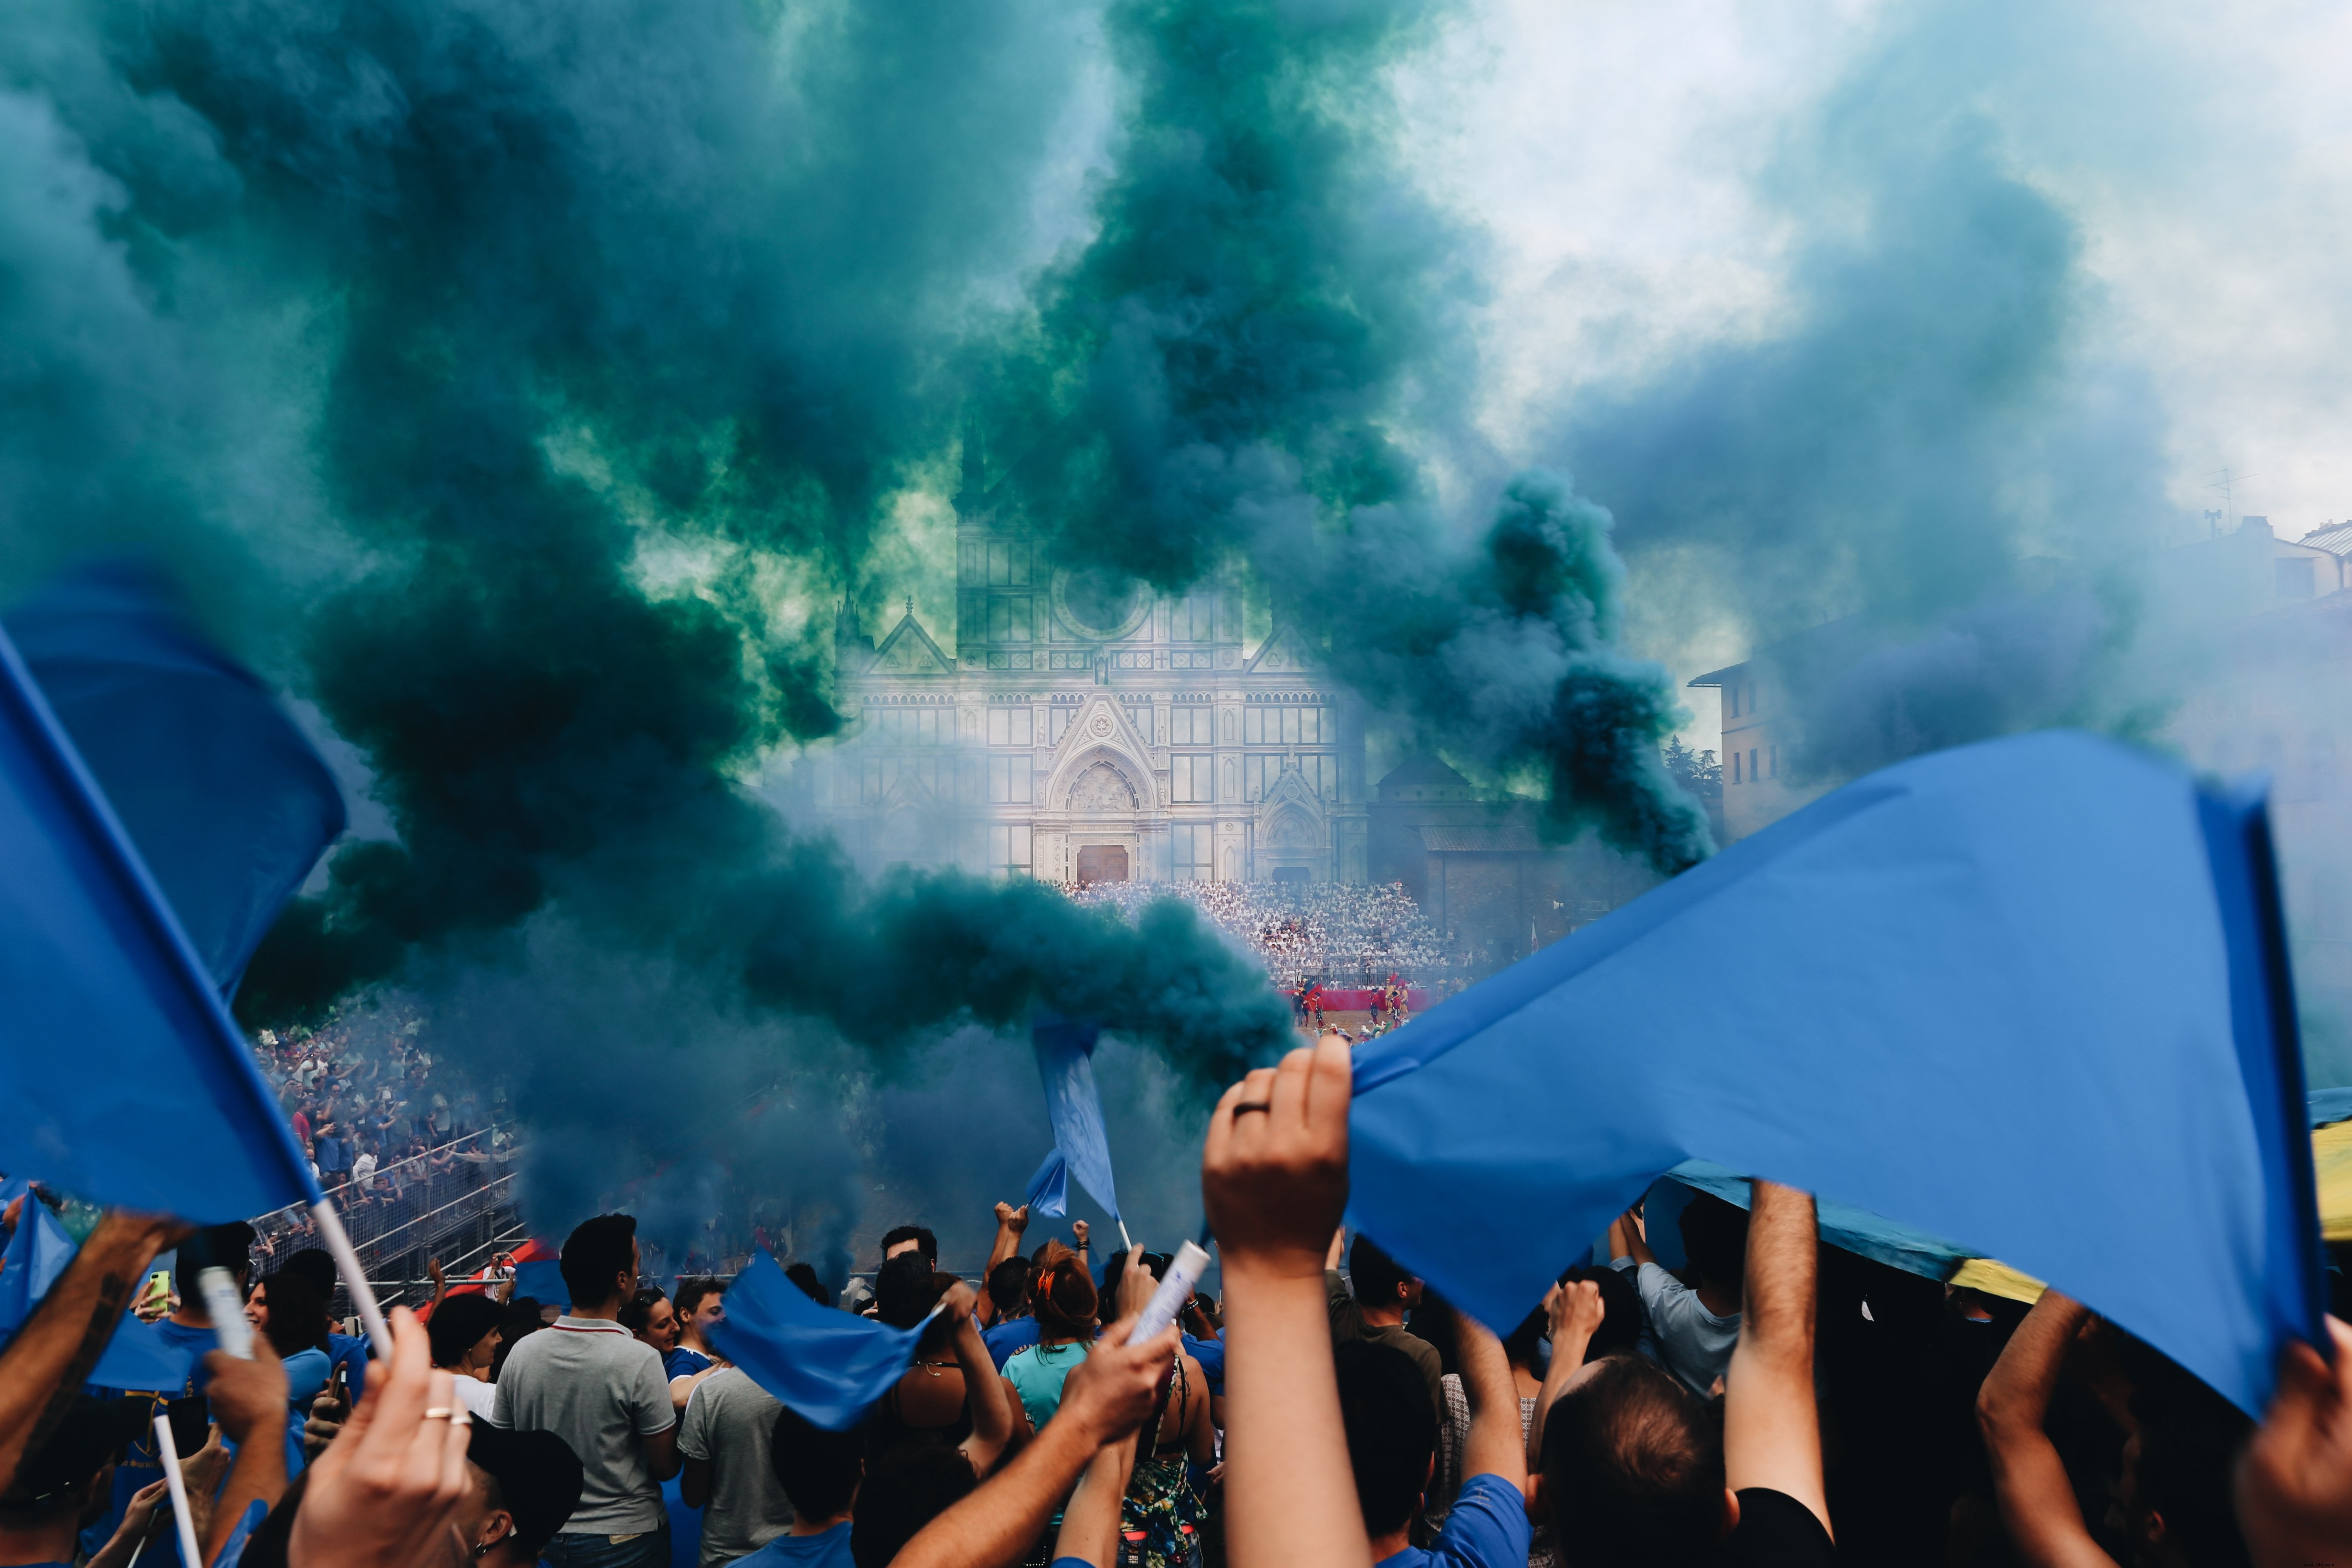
point(286, 1310)
point(1065, 1308)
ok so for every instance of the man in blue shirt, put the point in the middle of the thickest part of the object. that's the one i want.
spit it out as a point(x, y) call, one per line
point(1015, 1330)
point(1393, 1447)
point(820, 1472)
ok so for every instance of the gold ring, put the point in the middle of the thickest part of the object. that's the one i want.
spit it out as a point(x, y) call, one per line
point(437, 1413)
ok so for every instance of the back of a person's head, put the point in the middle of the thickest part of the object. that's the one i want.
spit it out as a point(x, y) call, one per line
point(904, 1289)
point(2187, 1457)
point(639, 1310)
point(904, 1491)
point(1714, 1238)
point(1065, 1302)
point(1375, 1275)
point(1620, 1332)
point(1632, 1467)
point(298, 1319)
point(228, 1246)
point(803, 1274)
point(925, 1242)
point(818, 1470)
point(1392, 1430)
point(318, 1264)
point(1008, 1285)
point(456, 1326)
point(595, 1254)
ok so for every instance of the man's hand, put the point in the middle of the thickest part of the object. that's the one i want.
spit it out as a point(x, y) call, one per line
point(1078, 1229)
point(1274, 1178)
point(1135, 1286)
point(387, 1493)
point(328, 1411)
point(958, 1303)
point(1577, 1311)
point(2294, 1483)
point(1015, 1220)
point(249, 1398)
point(1111, 1393)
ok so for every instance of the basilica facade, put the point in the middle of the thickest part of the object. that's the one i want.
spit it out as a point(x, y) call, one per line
point(1087, 728)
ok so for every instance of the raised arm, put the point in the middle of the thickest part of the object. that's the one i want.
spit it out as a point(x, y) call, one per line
point(1089, 1532)
point(1108, 1396)
point(1010, 1223)
point(992, 1413)
point(2037, 1502)
point(2294, 1483)
point(1771, 1429)
point(1629, 1236)
point(1576, 1310)
point(249, 1399)
point(1274, 1178)
point(1495, 1446)
point(45, 1365)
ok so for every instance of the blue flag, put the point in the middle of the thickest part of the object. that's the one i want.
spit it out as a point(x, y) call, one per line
point(227, 801)
point(1049, 1190)
point(128, 1081)
point(2029, 996)
point(827, 1364)
point(37, 1253)
point(1066, 1062)
point(543, 1281)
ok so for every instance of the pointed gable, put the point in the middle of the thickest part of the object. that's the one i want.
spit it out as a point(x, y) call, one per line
point(1283, 651)
point(909, 650)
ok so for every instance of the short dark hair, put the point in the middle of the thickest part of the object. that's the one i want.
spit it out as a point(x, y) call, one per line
point(534, 1476)
point(688, 1297)
point(595, 1252)
point(316, 1262)
point(1633, 1463)
point(925, 1242)
point(906, 1289)
point(456, 1326)
point(2186, 1464)
point(1620, 1332)
point(904, 1489)
point(803, 1274)
point(818, 1470)
point(1392, 1430)
point(1714, 1238)
point(1008, 1285)
point(228, 1246)
point(639, 1310)
point(1375, 1275)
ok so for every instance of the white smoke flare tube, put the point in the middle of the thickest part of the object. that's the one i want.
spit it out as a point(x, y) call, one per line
point(170, 1452)
point(217, 1286)
point(1183, 1272)
point(347, 1264)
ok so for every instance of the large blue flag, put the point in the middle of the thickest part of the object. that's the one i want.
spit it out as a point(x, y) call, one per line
point(136, 1357)
point(1066, 1062)
point(827, 1364)
point(2029, 995)
point(1048, 1196)
point(128, 1081)
point(227, 801)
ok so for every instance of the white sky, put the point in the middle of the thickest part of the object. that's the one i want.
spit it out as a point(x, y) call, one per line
point(2204, 152)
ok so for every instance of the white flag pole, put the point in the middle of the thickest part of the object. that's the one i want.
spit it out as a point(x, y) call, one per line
point(347, 1264)
point(179, 1484)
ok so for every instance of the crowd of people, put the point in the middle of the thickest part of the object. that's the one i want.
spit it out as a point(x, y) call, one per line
point(1339, 935)
point(1774, 1401)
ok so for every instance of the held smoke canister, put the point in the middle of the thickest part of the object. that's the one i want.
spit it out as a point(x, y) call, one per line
point(1183, 1273)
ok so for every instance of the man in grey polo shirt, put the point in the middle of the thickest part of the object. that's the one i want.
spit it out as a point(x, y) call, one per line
point(724, 1437)
point(600, 1388)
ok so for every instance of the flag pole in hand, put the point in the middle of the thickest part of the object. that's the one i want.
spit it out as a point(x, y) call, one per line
point(347, 1264)
point(179, 1486)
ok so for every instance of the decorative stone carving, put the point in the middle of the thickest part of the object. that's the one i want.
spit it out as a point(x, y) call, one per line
point(1102, 788)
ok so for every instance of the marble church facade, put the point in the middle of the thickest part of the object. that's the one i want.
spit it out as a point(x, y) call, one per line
point(1085, 730)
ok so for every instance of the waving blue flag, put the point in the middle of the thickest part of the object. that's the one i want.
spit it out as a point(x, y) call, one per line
point(1066, 1062)
point(128, 1081)
point(37, 1253)
point(227, 801)
point(2029, 995)
point(827, 1364)
point(1048, 1196)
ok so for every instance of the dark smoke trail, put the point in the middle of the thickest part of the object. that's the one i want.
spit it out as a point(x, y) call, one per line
point(1240, 365)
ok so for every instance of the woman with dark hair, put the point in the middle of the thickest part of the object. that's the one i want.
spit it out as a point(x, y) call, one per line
point(285, 1309)
point(932, 1402)
point(1066, 1307)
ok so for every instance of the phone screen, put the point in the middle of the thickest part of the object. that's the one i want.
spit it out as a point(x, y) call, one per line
point(191, 1424)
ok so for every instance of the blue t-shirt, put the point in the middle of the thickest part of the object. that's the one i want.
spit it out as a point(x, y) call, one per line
point(1488, 1529)
point(825, 1549)
point(349, 1351)
point(1211, 1354)
point(1008, 1340)
point(684, 1362)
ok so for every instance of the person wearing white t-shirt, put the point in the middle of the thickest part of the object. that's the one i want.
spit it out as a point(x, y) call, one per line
point(464, 1331)
point(600, 1388)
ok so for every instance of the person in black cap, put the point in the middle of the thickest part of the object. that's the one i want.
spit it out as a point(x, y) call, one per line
point(465, 1334)
point(64, 1486)
point(526, 1484)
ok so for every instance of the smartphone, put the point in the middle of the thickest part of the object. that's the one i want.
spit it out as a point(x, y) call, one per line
point(191, 1424)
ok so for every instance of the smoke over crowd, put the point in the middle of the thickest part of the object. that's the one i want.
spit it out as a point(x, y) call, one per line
point(522, 386)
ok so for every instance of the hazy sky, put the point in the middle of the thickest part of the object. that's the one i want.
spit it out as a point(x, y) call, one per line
point(1621, 158)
